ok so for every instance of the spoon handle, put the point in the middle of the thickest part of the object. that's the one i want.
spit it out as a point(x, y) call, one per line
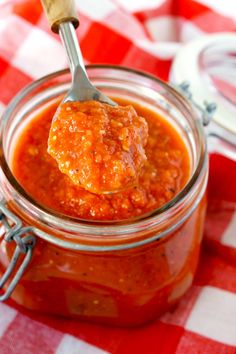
point(60, 11)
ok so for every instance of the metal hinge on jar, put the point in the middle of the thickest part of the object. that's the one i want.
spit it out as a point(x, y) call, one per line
point(207, 111)
point(24, 240)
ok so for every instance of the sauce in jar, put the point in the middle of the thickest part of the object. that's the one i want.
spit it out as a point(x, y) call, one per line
point(163, 175)
point(121, 273)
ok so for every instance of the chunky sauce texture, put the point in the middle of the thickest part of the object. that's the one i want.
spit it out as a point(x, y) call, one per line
point(124, 287)
point(100, 147)
point(164, 173)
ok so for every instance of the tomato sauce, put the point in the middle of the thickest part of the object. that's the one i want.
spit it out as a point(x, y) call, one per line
point(121, 287)
point(100, 147)
point(165, 171)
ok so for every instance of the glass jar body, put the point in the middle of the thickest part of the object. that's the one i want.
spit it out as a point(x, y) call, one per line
point(119, 274)
point(126, 287)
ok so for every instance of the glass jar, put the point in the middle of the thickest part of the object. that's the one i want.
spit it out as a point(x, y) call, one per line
point(122, 273)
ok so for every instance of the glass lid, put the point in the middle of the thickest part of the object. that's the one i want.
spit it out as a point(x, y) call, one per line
point(208, 64)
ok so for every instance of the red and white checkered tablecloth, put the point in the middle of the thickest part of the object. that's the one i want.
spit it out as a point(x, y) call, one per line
point(143, 34)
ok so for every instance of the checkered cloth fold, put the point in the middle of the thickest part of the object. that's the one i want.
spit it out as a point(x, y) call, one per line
point(142, 34)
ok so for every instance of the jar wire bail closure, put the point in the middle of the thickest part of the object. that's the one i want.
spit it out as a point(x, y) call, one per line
point(25, 242)
point(207, 110)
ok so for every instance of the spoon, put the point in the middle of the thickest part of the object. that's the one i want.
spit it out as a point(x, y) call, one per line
point(105, 153)
point(63, 20)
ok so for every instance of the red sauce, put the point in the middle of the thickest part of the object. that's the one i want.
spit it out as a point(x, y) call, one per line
point(100, 147)
point(163, 175)
point(122, 287)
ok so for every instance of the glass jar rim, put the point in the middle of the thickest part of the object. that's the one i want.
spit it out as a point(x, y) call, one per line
point(108, 227)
